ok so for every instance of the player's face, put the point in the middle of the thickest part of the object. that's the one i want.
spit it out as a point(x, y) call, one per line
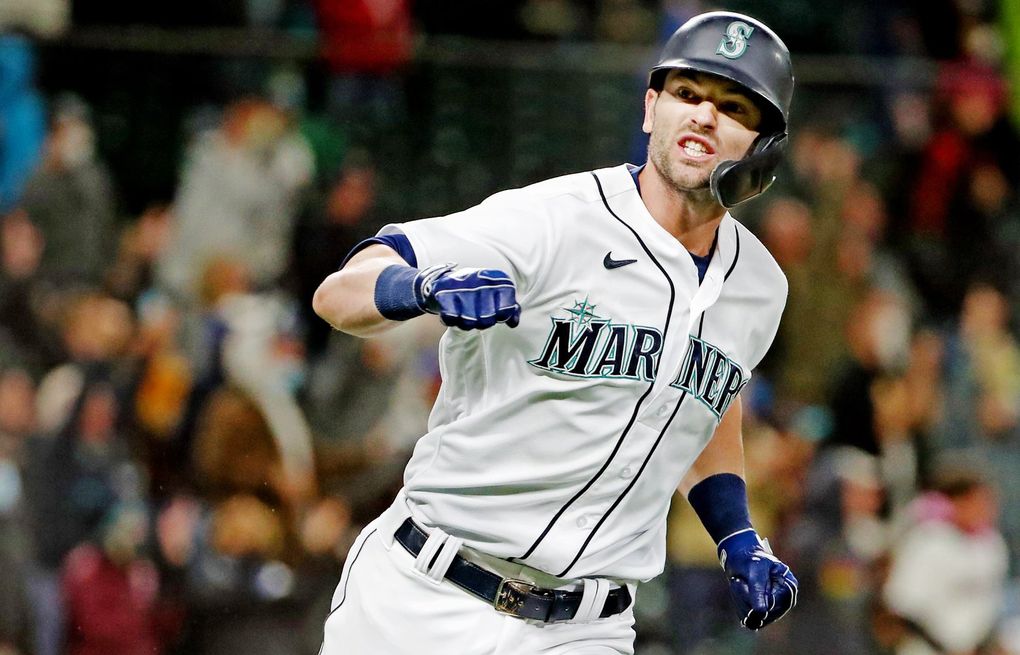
point(696, 122)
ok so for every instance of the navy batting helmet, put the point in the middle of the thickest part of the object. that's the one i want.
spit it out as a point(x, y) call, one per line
point(743, 50)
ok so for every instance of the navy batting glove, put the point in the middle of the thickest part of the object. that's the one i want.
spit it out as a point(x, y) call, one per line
point(468, 298)
point(763, 588)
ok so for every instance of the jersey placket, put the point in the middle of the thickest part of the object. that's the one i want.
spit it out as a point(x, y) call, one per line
point(662, 402)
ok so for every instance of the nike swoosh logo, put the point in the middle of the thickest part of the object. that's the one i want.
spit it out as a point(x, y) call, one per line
point(611, 263)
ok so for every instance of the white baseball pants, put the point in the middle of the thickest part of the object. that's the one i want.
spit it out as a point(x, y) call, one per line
point(384, 605)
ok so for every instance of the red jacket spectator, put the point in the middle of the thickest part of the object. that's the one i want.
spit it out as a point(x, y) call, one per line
point(110, 608)
point(366, 36)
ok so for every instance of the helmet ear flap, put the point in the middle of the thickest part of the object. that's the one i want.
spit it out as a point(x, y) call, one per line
point(734, 182)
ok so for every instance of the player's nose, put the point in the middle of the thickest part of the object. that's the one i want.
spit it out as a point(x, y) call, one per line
point(705, 115)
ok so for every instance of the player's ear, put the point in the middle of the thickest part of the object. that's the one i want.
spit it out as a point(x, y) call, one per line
point(651, 95)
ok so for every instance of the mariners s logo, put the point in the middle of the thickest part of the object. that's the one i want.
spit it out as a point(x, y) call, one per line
point(587, 345)
point(734, 44)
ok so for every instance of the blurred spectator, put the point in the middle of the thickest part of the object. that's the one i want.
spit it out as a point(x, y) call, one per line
point(139, 248)
point(27, 337)
point(326, 535)
point(948, 569)
point(238, 583)
point(77, 465)
point(22, 118)
point(964, 186)
point(841, 531)
point(22, 114)
point(73, 479)
point(96, 331)
point(247, 341)
point(829, 245)
point(366, 37)
point(837, 539)
point(238, 197)
point(263, 357)
point(164, 382)
point(878, 337)
point(786, 229)
point(366, 45)
point(926, 384)
point(42, 18)
point(363, 373)
point(111, 591)
point(329, 229)
point(983, 395)
point(233, 450)
point(984, 372)
point(70, 197)
point(17, 422)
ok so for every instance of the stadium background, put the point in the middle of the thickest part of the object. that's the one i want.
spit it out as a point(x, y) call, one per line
point(186, 452)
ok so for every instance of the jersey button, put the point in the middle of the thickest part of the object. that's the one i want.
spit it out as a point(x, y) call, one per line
point(582, 521)
point(662, 411)
point(626, 472)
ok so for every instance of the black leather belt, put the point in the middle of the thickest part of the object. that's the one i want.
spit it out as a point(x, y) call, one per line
point(514, 597)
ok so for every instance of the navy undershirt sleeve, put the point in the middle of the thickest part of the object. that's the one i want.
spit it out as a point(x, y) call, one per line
point(701, 262)
point(397, 241)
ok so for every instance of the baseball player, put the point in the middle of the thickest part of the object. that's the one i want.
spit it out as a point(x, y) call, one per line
point(602, 326)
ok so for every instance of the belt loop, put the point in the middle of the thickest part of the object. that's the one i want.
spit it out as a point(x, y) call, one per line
point(429, 550)
point(437, 554)
point(442, 562)
point(593, 599)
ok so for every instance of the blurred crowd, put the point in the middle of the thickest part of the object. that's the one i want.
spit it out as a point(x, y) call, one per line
point(186, 451)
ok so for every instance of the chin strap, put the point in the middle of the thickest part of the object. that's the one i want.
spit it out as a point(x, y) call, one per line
point(733, 182)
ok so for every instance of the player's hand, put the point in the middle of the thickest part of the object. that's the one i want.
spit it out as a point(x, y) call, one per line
point(468, 298)
point(762, 587)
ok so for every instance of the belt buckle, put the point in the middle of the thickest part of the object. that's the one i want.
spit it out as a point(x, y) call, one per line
point(510, 596)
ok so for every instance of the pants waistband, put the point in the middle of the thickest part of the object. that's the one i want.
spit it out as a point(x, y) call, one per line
point(437, 555)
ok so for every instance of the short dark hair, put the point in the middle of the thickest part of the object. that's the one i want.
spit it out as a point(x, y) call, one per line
point(958, 479)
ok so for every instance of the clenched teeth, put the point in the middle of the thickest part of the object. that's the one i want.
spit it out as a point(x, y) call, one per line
point(694, 148)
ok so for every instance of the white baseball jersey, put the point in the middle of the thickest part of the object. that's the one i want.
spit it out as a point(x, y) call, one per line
point(560, 443)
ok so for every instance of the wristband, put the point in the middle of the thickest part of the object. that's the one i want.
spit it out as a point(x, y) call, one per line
point(396, 293)
point(720, 501)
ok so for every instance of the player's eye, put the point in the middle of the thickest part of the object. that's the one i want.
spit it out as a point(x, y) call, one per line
point(687, 94)
point(732, 107)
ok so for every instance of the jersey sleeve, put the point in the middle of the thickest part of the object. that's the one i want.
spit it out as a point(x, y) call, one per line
point(765, 333)
point(764, 290)
point(395, 240)
point(506, 232)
